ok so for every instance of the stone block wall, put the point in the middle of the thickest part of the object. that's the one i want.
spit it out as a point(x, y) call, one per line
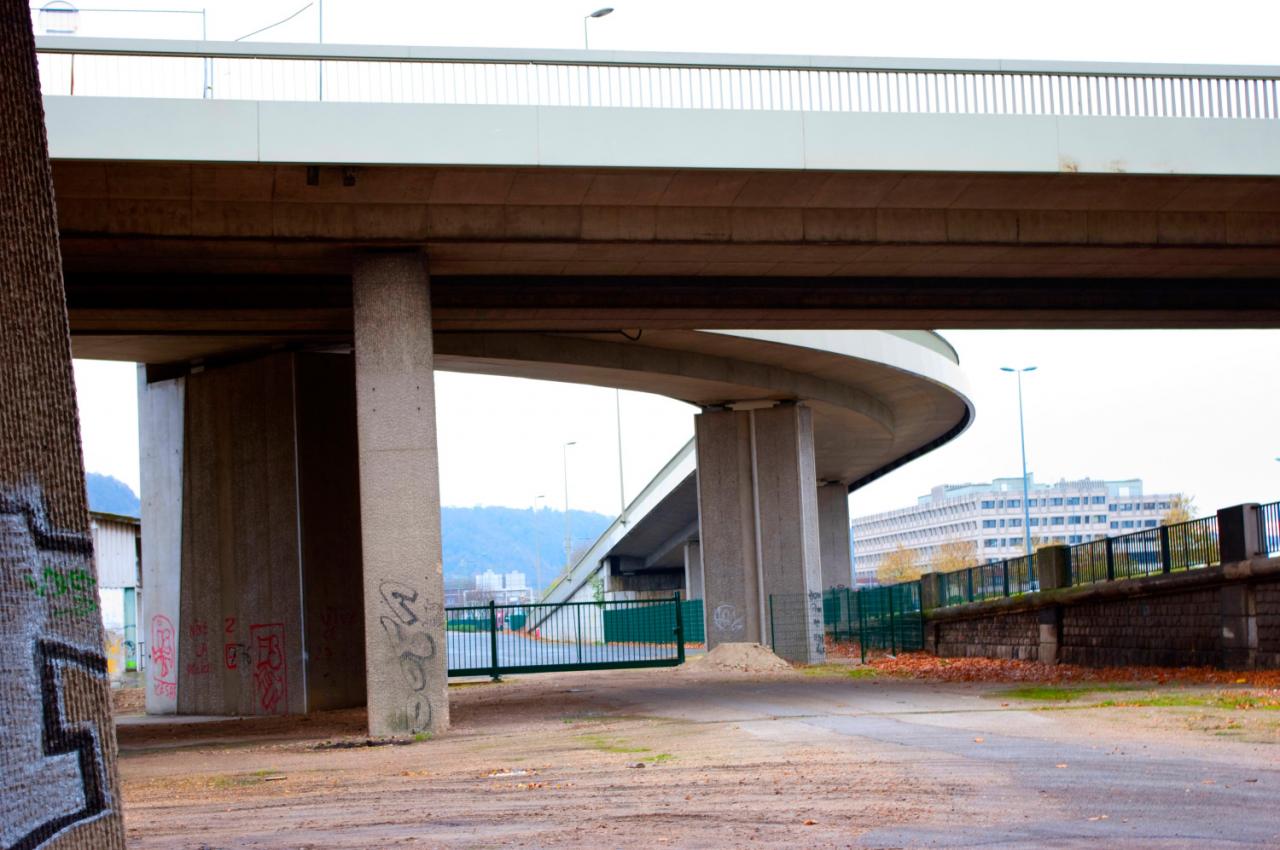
point(1006, 635)
point(1267, 606)
point(1179, 629)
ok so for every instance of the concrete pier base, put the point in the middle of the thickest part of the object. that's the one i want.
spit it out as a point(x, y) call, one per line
point(407, 679)
point(758, 529)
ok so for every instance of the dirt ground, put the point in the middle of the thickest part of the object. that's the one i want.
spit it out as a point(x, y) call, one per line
point(835, 756)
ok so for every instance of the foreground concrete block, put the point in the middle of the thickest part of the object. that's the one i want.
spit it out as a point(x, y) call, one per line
point(59, 788)
point(407, 676)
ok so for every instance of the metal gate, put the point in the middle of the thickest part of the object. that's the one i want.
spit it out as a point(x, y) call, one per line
point(492, 639)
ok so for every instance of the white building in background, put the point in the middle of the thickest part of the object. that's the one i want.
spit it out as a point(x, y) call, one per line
point(991, 517)
point(503, 588)
point(117, 555)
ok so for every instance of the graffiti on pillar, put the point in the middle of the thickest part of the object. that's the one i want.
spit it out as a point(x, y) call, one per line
point(198, 631)
point(55, 771)
point(164, 662)
point(407, 632)
point(270, 675)
point(817, 630)
point(74, 590)
point(726, 619)
point(336, 622)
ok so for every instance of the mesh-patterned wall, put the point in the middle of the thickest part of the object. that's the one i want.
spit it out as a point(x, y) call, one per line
point(58, 786)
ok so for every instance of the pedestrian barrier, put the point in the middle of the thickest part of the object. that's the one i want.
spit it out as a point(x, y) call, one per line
point(887, 618)
point(492, 639)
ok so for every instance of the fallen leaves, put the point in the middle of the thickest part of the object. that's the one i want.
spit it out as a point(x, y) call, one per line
point(919, 665)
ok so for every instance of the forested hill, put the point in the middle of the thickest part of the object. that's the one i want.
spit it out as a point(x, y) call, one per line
point(110, 495)
point(504, 539)
point(475, 539)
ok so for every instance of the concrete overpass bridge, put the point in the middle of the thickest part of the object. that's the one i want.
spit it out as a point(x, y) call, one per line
point(238, 217)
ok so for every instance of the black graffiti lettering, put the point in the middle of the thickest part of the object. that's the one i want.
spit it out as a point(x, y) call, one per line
point(38, 524)
point(59, 739)
point(398, 598)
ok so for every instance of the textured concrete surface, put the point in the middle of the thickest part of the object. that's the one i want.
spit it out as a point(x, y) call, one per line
point(833, 528)
point(161, 419)
point(758, 506)
point(242, 645)
point(329, 516)
point(59, 787)
point(399, 497)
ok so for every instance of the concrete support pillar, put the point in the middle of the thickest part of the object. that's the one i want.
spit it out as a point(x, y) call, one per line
point(693, 585)
point(833, 528)
point(1053, 567)
point(1239, 613)
point(399, 497)
point(160, 451)
point(1050, 622)
point(758, 529)
point(1238, 533)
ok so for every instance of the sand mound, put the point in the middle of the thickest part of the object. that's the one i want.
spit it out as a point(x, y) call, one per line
point(743, 657)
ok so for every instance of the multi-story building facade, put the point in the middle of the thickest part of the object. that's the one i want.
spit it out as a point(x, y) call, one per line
point(991, 516)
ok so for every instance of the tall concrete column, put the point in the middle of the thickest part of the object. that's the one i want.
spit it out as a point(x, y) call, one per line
point(693, 587)
point(406, 669)
point(833, 527)
point(758, 529)
point(160, 449)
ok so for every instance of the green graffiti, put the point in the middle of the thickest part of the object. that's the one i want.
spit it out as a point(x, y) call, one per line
point(74, 590)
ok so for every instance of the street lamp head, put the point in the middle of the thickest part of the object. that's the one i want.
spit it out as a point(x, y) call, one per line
point(1005, 369)
point(1023, 369)
point(1029, 368)
point(571, 443)
point(600, 13)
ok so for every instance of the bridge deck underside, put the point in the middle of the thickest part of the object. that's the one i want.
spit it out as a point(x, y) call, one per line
point(171, 261)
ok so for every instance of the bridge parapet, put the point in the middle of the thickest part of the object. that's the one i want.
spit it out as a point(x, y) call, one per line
point(570, 78)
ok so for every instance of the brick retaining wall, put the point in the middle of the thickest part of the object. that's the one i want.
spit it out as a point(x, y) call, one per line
point(1181, 629)
point(1013, 635)
point(1185, 620)
point(1267, 605)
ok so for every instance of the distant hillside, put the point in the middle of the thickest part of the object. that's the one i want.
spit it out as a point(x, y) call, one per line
point(504, 539)
point(475, 539)
point(110, 495)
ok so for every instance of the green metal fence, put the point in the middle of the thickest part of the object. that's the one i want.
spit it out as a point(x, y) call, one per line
point(887, 618)
point(643, 625)
point(490, 640)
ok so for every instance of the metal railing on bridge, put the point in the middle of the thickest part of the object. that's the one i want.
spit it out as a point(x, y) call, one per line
point(568, 78)
point(1166, 548)
point(490, 640)
point(1010, 577)
point(1269, 528)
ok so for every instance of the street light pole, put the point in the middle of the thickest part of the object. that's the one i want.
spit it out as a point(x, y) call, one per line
point(622, 490)
point(1022, 438)
point(598, 13)
point(537, 541)
point(568, 539)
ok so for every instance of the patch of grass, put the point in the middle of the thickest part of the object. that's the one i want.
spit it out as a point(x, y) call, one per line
point(585, 718)
point(241, 780)
point(844, 670)
point(422, 736)
point(1057, 693)
point(1227, 701)
point(661, 757)
point(610, 745)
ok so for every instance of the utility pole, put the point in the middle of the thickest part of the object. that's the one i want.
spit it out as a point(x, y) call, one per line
point(568, 537)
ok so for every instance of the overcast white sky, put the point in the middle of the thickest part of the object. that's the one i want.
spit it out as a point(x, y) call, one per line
point(1195, 411)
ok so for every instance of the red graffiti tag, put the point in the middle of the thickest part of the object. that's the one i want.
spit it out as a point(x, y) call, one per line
point(162, 656)
point(199, 634)
point(270, 678)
